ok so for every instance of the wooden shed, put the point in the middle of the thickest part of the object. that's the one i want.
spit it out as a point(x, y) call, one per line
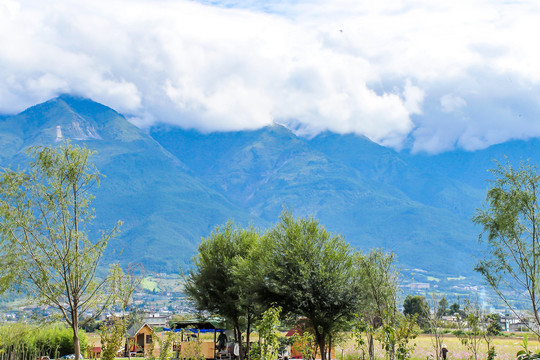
point(140, 339)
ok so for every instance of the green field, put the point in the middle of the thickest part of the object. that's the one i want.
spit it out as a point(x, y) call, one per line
point(149, 284)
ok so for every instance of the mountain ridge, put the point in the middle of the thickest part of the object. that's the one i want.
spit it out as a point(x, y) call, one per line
point(172, 186)
point(141, 179)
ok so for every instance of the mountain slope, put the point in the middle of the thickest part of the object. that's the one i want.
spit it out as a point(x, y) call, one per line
point(164, 209)
point(427, 184)
point(271, 168)
point(471, 167)
point(172, 186)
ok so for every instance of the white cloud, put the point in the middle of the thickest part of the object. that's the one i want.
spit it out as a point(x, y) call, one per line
point(451, 102)
point(387, 69)
point(414, 97)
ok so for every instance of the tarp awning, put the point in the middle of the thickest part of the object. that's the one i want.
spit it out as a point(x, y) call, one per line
point(207, 325)
point(194, 330)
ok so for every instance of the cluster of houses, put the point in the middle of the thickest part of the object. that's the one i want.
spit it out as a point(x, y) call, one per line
point(509, 323)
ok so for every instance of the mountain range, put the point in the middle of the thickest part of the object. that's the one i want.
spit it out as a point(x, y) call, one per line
point(172, 186)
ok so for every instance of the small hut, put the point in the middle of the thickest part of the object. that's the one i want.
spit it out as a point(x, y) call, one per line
point(140, 339)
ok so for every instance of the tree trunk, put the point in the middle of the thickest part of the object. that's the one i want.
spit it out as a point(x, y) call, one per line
point(329, 347)
point(371, 350)
point(76, 343)
point(320, 340)
point(238, 338)
point(248, 330)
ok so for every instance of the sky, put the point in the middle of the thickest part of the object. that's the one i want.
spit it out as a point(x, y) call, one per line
point(421, 75)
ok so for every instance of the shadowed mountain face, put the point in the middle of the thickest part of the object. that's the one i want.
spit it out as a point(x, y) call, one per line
point(172, 186)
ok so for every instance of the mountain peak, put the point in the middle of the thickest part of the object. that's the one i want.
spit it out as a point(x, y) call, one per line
point(76, 118)
point(84, 106)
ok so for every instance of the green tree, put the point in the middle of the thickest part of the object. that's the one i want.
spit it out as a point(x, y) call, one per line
point(43, 216)
point(311, 273)
point(436, 323)
point(122, 286)
point(267, 348)
point(455, 309)
point(305, 344)
point(494, 327)
point(417, 306)
point(378, 296)
point(442, 307)
point(112, 338)
point(511, 227)
point(395, 336)
point(472, 330)
point(216, 283)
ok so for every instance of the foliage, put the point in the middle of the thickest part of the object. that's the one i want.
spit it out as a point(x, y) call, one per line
point(442, 307)
point(90, 325)
point(193, 350)
point(494, 327)
point(360, 328)
point(112, 338)
point(267, 348)
point(121, 288)
point(165, 344)
point(395, 337)
point(525, 353)
point(312, 274)
point(20, 340)
point(456, 310)
point(510, 224)
point(305, 344)
point(435, 323)
point(217, 282)
point(417, 306)
point(378, 298)
point(305, 271)
point(472, 333)
point(46, 250)
point(491, 353)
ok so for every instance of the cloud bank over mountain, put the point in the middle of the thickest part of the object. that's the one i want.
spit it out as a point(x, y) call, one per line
point(422, 74)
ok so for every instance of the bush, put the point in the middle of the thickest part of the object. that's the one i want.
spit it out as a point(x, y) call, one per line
point(24, 340)
point(494, 328)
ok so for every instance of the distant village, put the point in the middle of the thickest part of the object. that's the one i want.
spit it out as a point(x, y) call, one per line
point(158, 309)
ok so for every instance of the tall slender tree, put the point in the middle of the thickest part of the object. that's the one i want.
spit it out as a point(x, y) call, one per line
point(379, 293)
point(44, 244)
point(511, 228)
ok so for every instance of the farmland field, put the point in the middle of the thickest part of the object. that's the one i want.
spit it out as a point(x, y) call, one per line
point(505, 347)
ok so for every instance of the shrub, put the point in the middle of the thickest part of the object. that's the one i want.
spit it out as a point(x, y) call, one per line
point(25, 340)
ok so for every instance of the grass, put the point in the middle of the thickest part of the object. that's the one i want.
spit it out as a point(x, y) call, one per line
point(505, 347)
